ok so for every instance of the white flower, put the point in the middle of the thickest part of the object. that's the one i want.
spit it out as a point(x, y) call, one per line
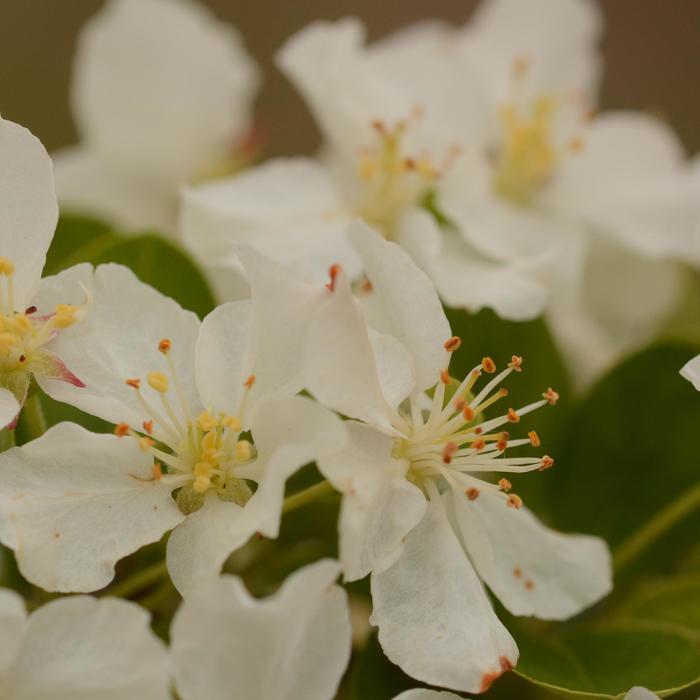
point(161, 95)
point(28, 213)
point(293, 645)
point(639, 693)
point(422, 511)
point(422, 694)
point(72, 503)
point(691, 371)
point(80, 647)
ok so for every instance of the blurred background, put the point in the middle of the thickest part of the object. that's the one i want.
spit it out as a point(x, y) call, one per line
point(651, 51)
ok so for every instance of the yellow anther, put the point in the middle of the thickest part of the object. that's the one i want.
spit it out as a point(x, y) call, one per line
point(244, 450)
point(157, 381)
point(231, 422)
point(201, 484)
point(210, 441)
point(64, 315)
point(7, 342)
point(202, 469)
point(6, 267)
point(18, 323)
point(207, 421)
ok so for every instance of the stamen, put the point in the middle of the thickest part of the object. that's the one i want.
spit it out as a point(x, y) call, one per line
point(512, 416)
point(122, 429)
point(514, 501)
point(488, 365)
point(453, 343)
point(516, 363)
point(505, 485)
point(333, 273)
point(472, 493)
point(158, 382)
point(448, 452)
point(547, 463)
point(551, 396)
point(534, 438)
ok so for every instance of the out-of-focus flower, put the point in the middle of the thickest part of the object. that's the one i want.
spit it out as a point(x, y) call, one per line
point(638, 693)
point(420, 511)
point(691, 371)
point(28, 213)
point(423, 694)
point(187, 393)
point(80, 647)
point(161, 94)
point(295, 644)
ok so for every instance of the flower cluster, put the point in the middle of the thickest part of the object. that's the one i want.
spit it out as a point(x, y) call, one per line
point(461, 166)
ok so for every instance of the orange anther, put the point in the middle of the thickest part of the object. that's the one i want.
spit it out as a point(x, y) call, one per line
point(448, 452)
point(122, 429)
point(165, 345)
point(529, 584)
point(505, 485)
point(479, 444)
point(551, 396)
point(444, 376)
point(534, 438)
point(333, 273)
point(468, 413)
point(156, 471)
point(248, 384)
point(472, 493)
point(453, 343)
point(502, 444)
point(459, 403)
point(488, 365)
point(547, 463)
point(514, 501)
point(516, 363)
point(367, 287)
point(517, 572)
point(148, 426)
point(512, 416)
point(135, 383)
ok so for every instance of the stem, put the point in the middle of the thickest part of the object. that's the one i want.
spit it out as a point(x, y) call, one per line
point(657, 526)
point(301, 498)
point(138, 581)
point(33, 415)
point(7, 439)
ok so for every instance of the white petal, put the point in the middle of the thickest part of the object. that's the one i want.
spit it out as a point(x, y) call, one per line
point(118, 339)
point(295, 644)
point(73, 503)
point(9, 407)
point(419, 235)
point(405, 302)
point(199, 546)
point(161, 87)
point(533, 570)
point(630, 182)
point(422, 694)
point(380, 506)
point(82, 648)
point(435, 620)
point(28, 208)
point(222, 356)
point(304, 229)
point(288, 434)
point(395, 366)
point(86, 185)
point(13, 619)
point(557, 39)
point(691, 371)
point(340, 369)
point(638, 693)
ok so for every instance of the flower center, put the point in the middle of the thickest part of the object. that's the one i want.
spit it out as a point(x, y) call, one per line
point(391, 180)
point(23, 336)
point(195, 454)
point(456, 445)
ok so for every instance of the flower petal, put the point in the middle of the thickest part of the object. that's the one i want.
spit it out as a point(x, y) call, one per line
point(533, 570)
point(295, 644)
point(405, 303)
point(640, 694)
point(288, 434)
point(118, 339)
point(691, 371)
point(28, 208)
point(161, 87)
point(304, 229)
point(380, 506)
point(13, 620)
point(9, 407)
point(82, 647)
point(199, 546)
point(435, 620)
point(85, 185)
point(422, 694)
point(73, 503)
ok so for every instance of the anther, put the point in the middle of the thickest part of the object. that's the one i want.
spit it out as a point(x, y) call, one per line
point(231, 422)
point(502, 444)
point(534, 438)
point(248, 384)
point(448, 451)
point(472, 493)
point(7, 267)
point(206, 421)
point(165, 345)
point(244, 450)
point(133, 383)
point(517, 572)
point(145, 443)
point(148, 426)
point(514, 501)
point(158, 381)
point(505, 485)
point(122, 429)
point(512, 416)
point(444, 376)
point(551, 396)
point(459, 403)
point(516, 363)
point(453, 343)
point(201, 484)
point(488, 365)
point(547, 463)
point(30, 310)
point(529, 584)
point(64, 316)
point(333, 273)
point(156, 471)
point(468, 414)
point(479, 444)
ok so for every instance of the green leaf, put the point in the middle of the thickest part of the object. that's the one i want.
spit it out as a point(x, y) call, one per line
point(629, 453)
point(153, 259)
point(606, 661)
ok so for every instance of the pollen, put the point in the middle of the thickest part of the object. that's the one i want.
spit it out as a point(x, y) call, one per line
point(488, 365)
point(201, 484)
point(479, 444)
point(158, 381)
point(512, 416)
point(156, 471)
point(534, 438)
point(514, 501)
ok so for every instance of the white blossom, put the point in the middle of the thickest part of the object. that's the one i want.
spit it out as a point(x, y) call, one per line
point(691, 371)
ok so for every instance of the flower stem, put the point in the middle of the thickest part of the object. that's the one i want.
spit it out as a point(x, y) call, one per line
point(657, 526)
point(301, 498)
point(33, 415)
point(138, 581)
point(7, 439)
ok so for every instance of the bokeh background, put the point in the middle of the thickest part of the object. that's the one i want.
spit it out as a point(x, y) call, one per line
point(651, 48)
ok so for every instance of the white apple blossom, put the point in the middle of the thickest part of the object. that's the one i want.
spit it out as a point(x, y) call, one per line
point(422, 510)
point(80, 648)
point(547, 206)
point(691, 371)
point(28, 214)
point(639, 693)
point(161, 94)
point(72, 503)
point(292, 645)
